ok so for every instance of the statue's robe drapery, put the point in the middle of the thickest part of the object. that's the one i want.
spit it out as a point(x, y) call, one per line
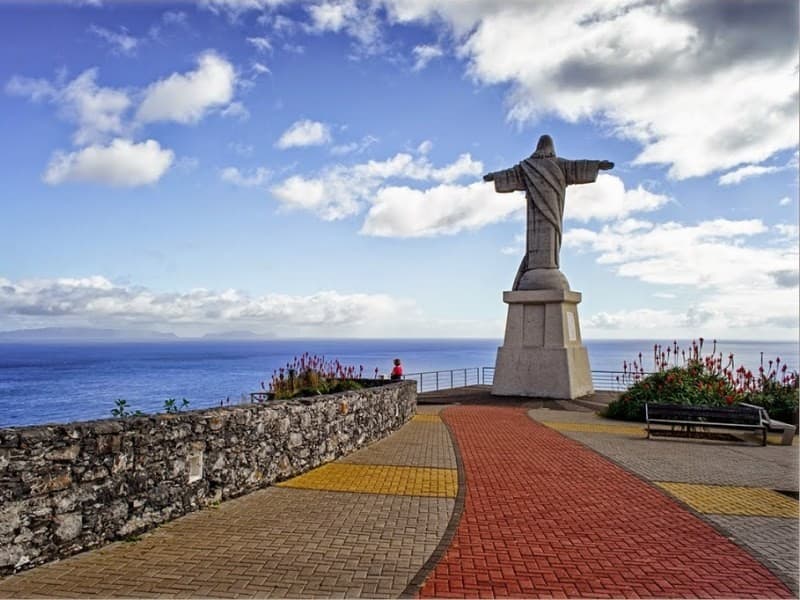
point(544, 181)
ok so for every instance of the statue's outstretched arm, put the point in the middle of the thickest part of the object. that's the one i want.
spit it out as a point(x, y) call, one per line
point(605, 165)
point(507, 180)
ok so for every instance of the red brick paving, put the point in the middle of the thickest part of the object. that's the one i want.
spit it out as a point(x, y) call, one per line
point(545, 517)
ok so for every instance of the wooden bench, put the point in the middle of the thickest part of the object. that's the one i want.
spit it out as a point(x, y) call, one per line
point(689, 418)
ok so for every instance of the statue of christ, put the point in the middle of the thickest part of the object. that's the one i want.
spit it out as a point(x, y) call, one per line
point(544, 178)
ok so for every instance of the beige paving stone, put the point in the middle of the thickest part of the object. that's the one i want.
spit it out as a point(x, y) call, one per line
point(418, 443)
point(282, 542)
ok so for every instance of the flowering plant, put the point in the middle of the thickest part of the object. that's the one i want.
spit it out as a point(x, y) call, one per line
point(706, 380)
point(311, 375)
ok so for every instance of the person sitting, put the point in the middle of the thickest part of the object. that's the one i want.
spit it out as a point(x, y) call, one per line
point(397, 370)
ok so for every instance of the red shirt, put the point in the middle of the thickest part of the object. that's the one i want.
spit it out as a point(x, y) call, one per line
point(397, 371)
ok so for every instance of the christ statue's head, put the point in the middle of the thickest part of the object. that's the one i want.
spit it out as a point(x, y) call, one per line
point(545, 148)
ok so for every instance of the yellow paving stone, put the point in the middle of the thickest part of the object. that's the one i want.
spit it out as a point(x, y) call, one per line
point(426, 419)
point(379, 479)
point(733, 500)
point(629, 430)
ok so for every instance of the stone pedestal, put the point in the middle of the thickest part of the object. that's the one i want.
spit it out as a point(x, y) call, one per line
point(542, 354)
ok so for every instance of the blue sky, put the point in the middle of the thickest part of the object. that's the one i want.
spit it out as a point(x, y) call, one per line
point(314, 169)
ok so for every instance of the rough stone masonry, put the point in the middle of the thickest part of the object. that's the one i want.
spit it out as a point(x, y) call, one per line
point(67, 488)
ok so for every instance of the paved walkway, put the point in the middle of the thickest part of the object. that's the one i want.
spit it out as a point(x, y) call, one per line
point(525, 511)
point(733, 486)
point(546, 517)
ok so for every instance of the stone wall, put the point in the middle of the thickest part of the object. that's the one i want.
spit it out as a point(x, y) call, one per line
point(67, 488)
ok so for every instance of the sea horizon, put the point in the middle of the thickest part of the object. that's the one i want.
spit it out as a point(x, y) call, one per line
point(64, 381)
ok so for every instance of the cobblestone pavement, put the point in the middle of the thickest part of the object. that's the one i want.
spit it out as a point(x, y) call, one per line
point(542, 516)
point(545, 516)
point(379, 479)
point(730, 485)
point(286, 541)
point(427, 444)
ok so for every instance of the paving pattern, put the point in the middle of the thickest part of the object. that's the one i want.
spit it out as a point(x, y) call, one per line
point(733, 500)
point(379, 479)
point(284, 542)
point(773, 541)
point(544, 516)
point(628, 430)
point(425, 444)
point(684, 460)
point(728, 484)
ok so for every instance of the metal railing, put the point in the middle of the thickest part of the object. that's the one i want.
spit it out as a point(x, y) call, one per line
point(613, 381)
point(432, 381)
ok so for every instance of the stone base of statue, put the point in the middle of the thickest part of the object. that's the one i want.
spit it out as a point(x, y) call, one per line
point(542, 354)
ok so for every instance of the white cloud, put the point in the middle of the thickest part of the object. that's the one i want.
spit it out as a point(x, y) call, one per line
point(340, 191)
point(733, 278)
point(251, 178)
point(330, 199)
point(122, 163)
point(241, 149)
point(424, 54)
point(186, 98)
point(786, 230)
point(702, 86)
point(607, 199)
point(425, 147)
point(174, 17)
point(746, 172)
point(440, 210)
point(354, 147)
point(98, 300)
point(360, 22)
point(305, 133)
point(785, 201)
point(234, 8)
point(97, 111)
point(463, 166)
point(261, 44)
point(294, 48)
point(259, 69)
point(35, 89)
point(332, 16)
point(121, 41)
point(235, 110)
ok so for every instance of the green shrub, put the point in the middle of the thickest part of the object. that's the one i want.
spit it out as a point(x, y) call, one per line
point(704, 381)
point(779, 399)
point(691, 385)
point(311, 375)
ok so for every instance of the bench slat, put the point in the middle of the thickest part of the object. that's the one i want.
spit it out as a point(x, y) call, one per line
point(739, 417)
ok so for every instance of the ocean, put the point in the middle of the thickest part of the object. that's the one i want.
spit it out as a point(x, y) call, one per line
point(58, 383)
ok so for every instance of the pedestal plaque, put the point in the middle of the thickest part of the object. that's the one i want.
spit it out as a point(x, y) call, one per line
point(542, 354)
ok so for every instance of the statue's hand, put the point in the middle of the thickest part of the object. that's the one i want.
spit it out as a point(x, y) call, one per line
point(605, 165)
point(488, 177)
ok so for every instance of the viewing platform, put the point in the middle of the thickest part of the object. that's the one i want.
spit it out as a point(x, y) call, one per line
point(473, 498)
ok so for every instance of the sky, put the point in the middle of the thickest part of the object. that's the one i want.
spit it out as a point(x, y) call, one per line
point(313, 169)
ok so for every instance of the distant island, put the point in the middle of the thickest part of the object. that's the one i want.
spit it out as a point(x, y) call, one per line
point(92, 334)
